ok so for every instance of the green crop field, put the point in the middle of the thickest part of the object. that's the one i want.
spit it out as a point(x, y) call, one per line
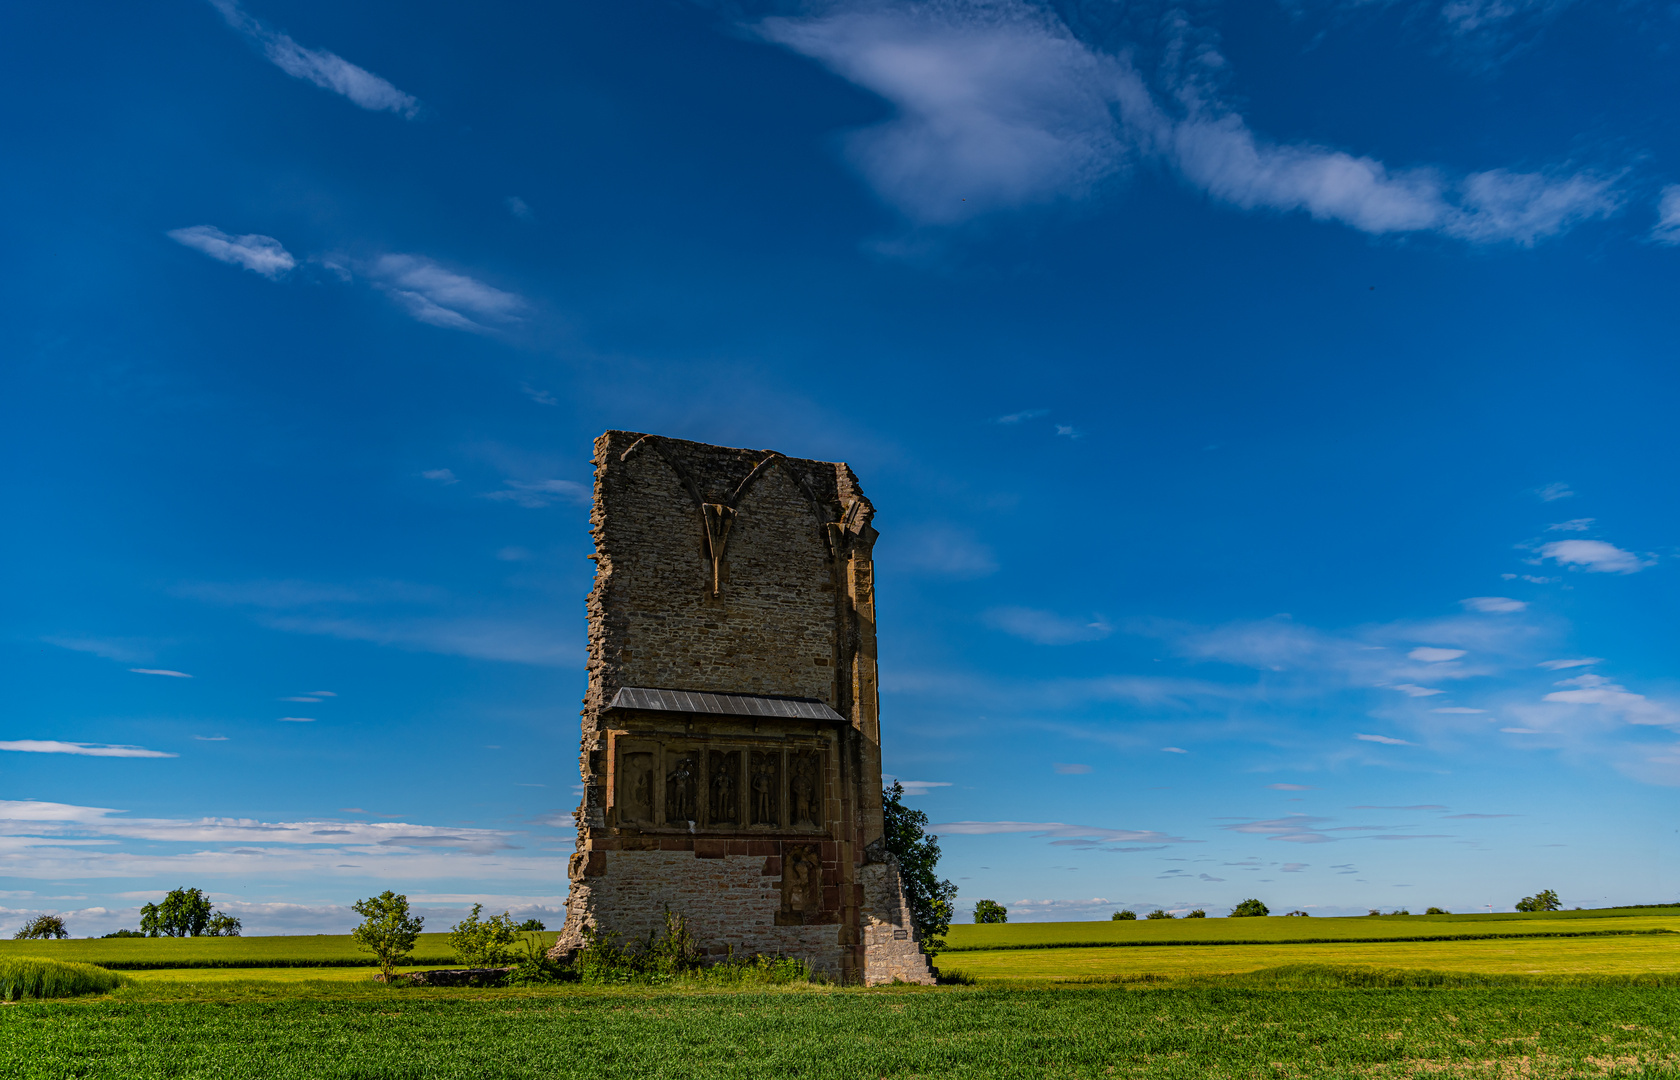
point(964, 937)
point(1103, 1032)
point(139, 954)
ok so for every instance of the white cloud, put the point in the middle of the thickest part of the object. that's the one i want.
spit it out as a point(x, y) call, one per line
point(541, 397)
point(1057, 829)
point(518, 207)
point(1590, 689)
point(124, 650)
point(437, 296)
point(1293, 829)
point(260, 254)
point(160, 671)
point(53, 746)
point(1294, 867)
point(327, 70)
point(1519, 731)
point(922, 787)
point(297, 720)
point(536, 494)
point(1595, 556)
point(945, 550)
point(1068, 431)
point(1065, 769)
point(999, 105)
point(1174, 750)
point(1025, 414)
point(442, 476)
point(1554, 492)
point(1289, 787)
point(1500, 605)
point(1581, 661)
point(1430, 655)
point(1045, 627)
point(1572, 525)
point(1457, 710)
point(211, 738)
point(1384, 739)
point(1667, 229)
point(1411, 690)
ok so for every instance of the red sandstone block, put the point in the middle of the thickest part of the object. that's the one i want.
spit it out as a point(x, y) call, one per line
point(830, 851)
point(831, 899)
point(675, 843)
point(605, 843)
point(763, 847)
point(773, 866)
point(739, 847)
point(711, 849)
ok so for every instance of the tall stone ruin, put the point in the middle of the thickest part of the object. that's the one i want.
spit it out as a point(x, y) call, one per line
point(731, 751)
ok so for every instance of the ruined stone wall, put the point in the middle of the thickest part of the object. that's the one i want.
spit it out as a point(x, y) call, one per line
point(733, 572)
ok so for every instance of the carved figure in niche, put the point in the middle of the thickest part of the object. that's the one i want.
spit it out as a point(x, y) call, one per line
point(679, 790)
point(801, 881)
point(726, 772)
point(766, 776)
point(636, 789)
point(807, 788)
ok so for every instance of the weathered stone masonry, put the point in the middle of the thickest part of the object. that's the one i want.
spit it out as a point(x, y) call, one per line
point(731, 752)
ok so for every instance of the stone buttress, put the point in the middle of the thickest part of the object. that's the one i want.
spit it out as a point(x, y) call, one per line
point(731, 752)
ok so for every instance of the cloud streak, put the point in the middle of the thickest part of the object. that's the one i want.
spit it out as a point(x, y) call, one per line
point(257, 253)
point(53, 746)
point(327, 70)
point(999, 105)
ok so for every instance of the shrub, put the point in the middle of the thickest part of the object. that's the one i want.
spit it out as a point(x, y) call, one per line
point(1125, 915)
point(1250, 908)
point(1197, 914)
point(29, 977)
point(531, 924)
point(1296, 914)
point(1159, 914)
point(534, 967)
point(1437, 911)
point(990, 911)
point(42, 927)
point(483, 943)
point(1373, 911)
point(123, 933)
point(223, 925)
point(388, 930)
point(1545, 900)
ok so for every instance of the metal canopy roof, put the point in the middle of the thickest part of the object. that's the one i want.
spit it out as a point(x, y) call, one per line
point(693, 701)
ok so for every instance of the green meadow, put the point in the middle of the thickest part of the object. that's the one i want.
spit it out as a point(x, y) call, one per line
point(1560, 995)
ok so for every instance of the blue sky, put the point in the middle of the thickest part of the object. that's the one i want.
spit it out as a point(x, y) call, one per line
point(1268, 408)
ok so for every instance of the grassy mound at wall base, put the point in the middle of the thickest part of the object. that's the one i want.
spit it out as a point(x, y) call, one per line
point(32, 977)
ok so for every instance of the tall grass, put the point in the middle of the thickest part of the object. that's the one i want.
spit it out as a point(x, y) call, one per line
point(32, 977)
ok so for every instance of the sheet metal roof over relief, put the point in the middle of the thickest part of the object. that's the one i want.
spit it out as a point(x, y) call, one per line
point(694, 701)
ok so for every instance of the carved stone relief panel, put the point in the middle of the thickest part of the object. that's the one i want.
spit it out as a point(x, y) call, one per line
point(801, 884)
point(636, 771)
point(723, 778)
point(682, 786)
point(764, 782)
point(805, 788)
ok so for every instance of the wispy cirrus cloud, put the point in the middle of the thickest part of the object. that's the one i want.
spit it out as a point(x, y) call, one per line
point(1667, 228)
point(81, 749)
point(943, 550)
point(160, 671)
point(537, 494)
point(432, 294)
point(999, 104)
point(327, 70)
point(1046, 627)
point(257, 253)
point(1059, 830)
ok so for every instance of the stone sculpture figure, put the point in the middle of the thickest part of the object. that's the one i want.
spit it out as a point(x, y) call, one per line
point(679, 791)
point(764, 777)
point(725, 768)
point(805, 803)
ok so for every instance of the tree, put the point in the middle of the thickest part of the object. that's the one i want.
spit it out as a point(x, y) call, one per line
point(1437, 911)
point(1197, 914)
point(1544, 900)
point(222, 924)
point(1159, 914)
point(123, 933)
point(1249, 909)
point(531, 924)
point(42, 928)
point(917, 852)
point(183, 913)
point(1125, 915)
point(483, 943)
point(990, 911)
point(388, 931)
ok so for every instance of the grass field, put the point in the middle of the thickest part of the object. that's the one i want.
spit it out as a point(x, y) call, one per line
point(138, 954)
point(820, 1034)
point(968, 936)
